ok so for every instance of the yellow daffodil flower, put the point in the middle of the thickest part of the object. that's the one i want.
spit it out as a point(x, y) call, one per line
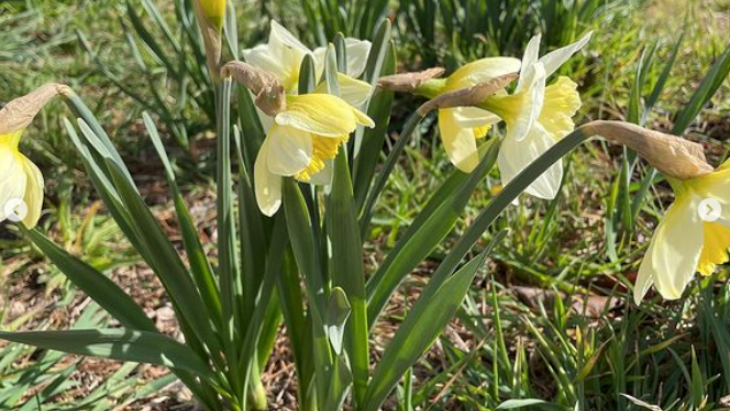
point(282, 56)
point(20, 179)
point(684, 242)
point(537, 116)
point(304, 138)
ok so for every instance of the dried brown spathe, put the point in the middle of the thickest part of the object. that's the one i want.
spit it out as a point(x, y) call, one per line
point(409, 82)
point(19, 113)
point(269, 92)
point(673, 156)
point(467, 97)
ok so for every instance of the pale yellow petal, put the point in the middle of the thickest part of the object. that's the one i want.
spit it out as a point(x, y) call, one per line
point(675, 250)
point(354, 92)
point(13, 179)
point(358, 52)
point(557, 58)
point(459, 142)
point(289, 150)
point(266, 184)
point(514, 156)
point(33, 195)
point(481, 71)
point(321, 114)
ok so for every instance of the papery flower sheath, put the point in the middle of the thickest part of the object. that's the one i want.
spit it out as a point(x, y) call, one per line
point(305, 137)
point(684, 243)
point(283, 54)
point(19, 177)
point(537, 116)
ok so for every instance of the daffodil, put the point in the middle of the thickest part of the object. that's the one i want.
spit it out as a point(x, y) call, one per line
point(684, 242)
point(461, 127)
point(304, 138)
point(537, 116)
point(282, 56)
point(20, 179)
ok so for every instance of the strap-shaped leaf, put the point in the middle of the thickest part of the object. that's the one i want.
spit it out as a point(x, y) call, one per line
point(95, 284)
point(421, 328)
point(431, 226)
point(347, 269)
point(117, 344)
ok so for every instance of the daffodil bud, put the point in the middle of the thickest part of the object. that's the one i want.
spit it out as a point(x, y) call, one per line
point(410, 82)
point(210, 15)
point(269, 92)
point(673, 156)
point(467, 97)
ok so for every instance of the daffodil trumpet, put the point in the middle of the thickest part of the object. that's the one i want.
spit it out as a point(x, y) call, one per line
point(20, 179)
point(694, 234)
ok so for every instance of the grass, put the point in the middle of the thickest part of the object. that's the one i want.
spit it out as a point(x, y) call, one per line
point(550, 326)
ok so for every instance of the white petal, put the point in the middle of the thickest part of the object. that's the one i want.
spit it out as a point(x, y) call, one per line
point(264, 58)
point(474, 117)
point(289, 151)
point(355, 92)
point(527, 71)
point(33, 192)
point(459, 142)
point(266, 121)
point(266, 184)
point(534, 97)
point(557, 58)
point(480, 71)
point(13, 179)
point(280, 36)
point(672, 258)
point(357, 56)
point(515, 155)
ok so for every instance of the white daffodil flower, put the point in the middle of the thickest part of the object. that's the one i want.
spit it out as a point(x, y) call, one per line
point(537, 115)
point(20, 179)
point(684, 242)
point(304, 138)
point(282, 56)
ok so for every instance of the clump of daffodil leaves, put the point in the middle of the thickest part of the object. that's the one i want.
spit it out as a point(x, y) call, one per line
point(304, 137)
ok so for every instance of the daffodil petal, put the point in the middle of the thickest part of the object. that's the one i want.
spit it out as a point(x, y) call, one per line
point(281, 37)
point(266, 184)
point(322, 114)
point(557, 58)
point(474, 117)
point(13, 179)
point(529, 59)
point(358, 52)
point(530, 108)
point(33, 195)
point(459, 142)
point(354, 92)
point(289, 150)
point(481, 71)
point(674, 252)
point(264, 58)
point(515, 155)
